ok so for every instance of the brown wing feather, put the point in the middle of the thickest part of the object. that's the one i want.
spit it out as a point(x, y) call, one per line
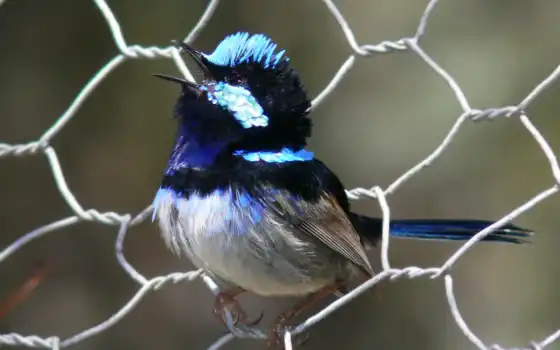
point(326, 221)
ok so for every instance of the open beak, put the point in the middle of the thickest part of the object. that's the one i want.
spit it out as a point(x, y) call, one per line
point(196, 56)
point(189, 85)
point(201, 62)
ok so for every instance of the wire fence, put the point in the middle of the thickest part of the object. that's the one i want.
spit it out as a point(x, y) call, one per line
point(517, 113)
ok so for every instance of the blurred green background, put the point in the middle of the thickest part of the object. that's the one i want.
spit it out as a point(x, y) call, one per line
point(389, 112)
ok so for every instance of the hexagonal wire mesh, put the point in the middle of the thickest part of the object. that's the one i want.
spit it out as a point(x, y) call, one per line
point(126, 221)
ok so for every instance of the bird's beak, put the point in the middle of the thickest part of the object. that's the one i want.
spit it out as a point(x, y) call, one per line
point(200, 60)
point(189, 85)
point(197, 56)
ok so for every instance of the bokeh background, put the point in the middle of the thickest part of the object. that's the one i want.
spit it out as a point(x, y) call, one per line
point(388, 113)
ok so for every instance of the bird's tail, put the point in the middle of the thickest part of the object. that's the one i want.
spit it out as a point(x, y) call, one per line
point(437, 229)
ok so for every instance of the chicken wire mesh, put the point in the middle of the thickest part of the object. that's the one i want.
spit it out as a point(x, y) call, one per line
point(516, 113)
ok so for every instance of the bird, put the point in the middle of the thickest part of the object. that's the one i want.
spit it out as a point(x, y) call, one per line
point(247, 202)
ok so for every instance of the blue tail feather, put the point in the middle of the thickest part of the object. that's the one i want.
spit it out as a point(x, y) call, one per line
point(438, 229)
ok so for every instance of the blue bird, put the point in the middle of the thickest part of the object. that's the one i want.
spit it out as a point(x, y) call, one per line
point(245, 200)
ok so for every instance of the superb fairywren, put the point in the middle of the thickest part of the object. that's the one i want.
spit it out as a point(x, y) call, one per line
point(246, 202)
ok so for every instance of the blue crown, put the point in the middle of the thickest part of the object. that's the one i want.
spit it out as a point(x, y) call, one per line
point(241, 48)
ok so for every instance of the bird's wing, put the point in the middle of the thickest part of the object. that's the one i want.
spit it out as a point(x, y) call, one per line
point(325, 220)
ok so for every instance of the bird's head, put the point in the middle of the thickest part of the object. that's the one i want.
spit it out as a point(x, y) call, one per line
point(250, 100)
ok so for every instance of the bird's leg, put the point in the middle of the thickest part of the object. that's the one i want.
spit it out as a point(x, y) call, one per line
point(225, 301)
point(276, 334)
point(343, 289)
point(374, 289)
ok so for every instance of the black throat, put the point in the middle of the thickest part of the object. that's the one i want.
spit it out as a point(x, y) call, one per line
point(306, 179)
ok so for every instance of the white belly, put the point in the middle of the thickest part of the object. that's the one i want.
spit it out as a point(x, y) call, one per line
point(257, 254)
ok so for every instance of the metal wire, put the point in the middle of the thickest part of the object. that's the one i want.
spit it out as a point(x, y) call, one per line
point(125, 221)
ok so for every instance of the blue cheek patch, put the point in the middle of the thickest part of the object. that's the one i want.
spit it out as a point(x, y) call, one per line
point(238, 101)
point(284, 156)
point(241, 48)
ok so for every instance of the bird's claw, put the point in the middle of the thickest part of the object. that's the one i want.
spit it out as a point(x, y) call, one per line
point(225, 303)
point(276, 337)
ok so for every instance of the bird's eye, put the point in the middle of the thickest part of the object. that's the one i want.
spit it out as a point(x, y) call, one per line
point(236, 79)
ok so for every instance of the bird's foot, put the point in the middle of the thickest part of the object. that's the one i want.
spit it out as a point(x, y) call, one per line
point(225, 301)
point(276, 335)
point(278, 331)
